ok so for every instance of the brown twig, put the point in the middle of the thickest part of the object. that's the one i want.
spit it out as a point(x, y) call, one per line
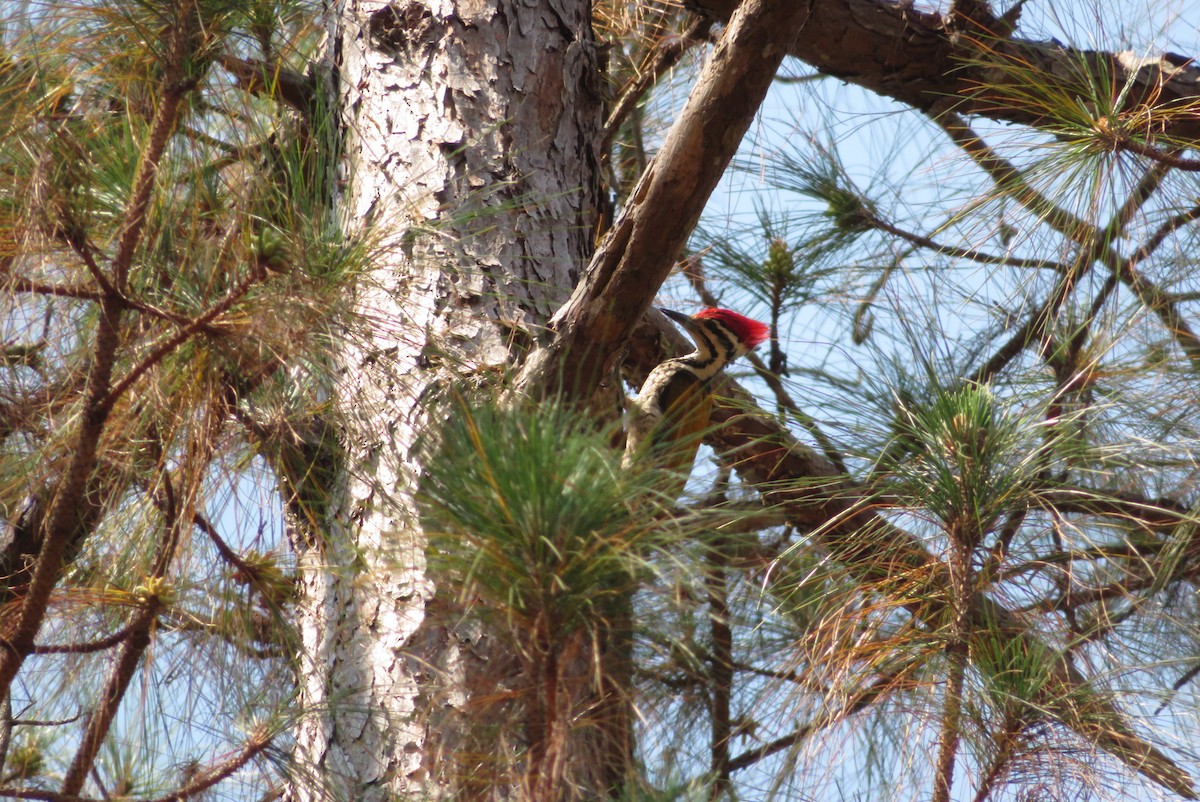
point(1073, 598)
point(204, 780)
point(84, 251)
point(1008, 741)
point(261, 627)
point(963, 535)
point(272, 80)
point(855, 703)
point(970, 254)
point(666, 56)
point(22, 284)
point(89, 647)
point(720, 656)
point(178, 338)
point(175, 511)
point(1166, 157)
point(105, 711)
point(80, 292)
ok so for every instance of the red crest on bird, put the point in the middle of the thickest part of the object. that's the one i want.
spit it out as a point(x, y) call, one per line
point(750, 332)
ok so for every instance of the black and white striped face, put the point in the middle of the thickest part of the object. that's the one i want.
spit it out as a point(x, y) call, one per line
point(716, 343)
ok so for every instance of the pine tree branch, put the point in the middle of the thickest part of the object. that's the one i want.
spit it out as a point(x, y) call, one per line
point(190, 474)
point(1170, 158)
point(27, 285)
point(721, 669)
point(64, 513)
point(970, 254)
point(178, 337)
point(272, 80)
point(666, 56)
point(88, 647)
point(1006, 743)
point(204, 780)
point(856, 703)
point(15, 284)
point(102, 715)
point(1094, 243)
point(957, 646)
point(920, 59)
point(842, 518)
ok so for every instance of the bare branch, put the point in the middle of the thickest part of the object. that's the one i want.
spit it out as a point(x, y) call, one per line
point(26, 285)
point(275, 81)
point(666, 56)
point(971, 254)
point(1094, 242)
point(1166, 157)
point(917, 57)
point(182, 335)
point(855, 703)
point(89, 647)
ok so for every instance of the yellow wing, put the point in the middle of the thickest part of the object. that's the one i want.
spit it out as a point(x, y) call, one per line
point(687, 410)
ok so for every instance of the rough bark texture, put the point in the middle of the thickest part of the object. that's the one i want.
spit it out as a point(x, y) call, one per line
point(933, 61)
point(468, 130)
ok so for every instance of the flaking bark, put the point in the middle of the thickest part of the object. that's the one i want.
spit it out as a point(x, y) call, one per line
point(469, 131)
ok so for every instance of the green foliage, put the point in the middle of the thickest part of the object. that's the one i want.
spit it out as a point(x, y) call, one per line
point(530, 513)
point(225, 313)
point(26, 760)
point(1015, 673)
point(963, 455)
point(848, 211)
point(778, 269)
point(536, 531)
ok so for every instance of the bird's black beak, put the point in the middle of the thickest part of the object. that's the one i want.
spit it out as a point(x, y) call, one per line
point(678, 317)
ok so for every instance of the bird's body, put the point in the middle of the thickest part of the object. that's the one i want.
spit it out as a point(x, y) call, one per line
point(671, 413)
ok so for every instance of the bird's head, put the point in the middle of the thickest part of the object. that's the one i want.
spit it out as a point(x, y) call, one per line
point(721, 331)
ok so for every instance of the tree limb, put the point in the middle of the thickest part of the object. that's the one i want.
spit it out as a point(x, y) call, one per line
point(274, 81)
point(640, 250)
point(259, 740)
point(64, 511)
point(919, 58)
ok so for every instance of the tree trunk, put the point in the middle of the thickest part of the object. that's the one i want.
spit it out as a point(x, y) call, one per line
point(468, 144)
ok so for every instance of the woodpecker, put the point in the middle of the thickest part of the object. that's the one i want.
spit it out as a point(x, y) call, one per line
point(671, 413)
